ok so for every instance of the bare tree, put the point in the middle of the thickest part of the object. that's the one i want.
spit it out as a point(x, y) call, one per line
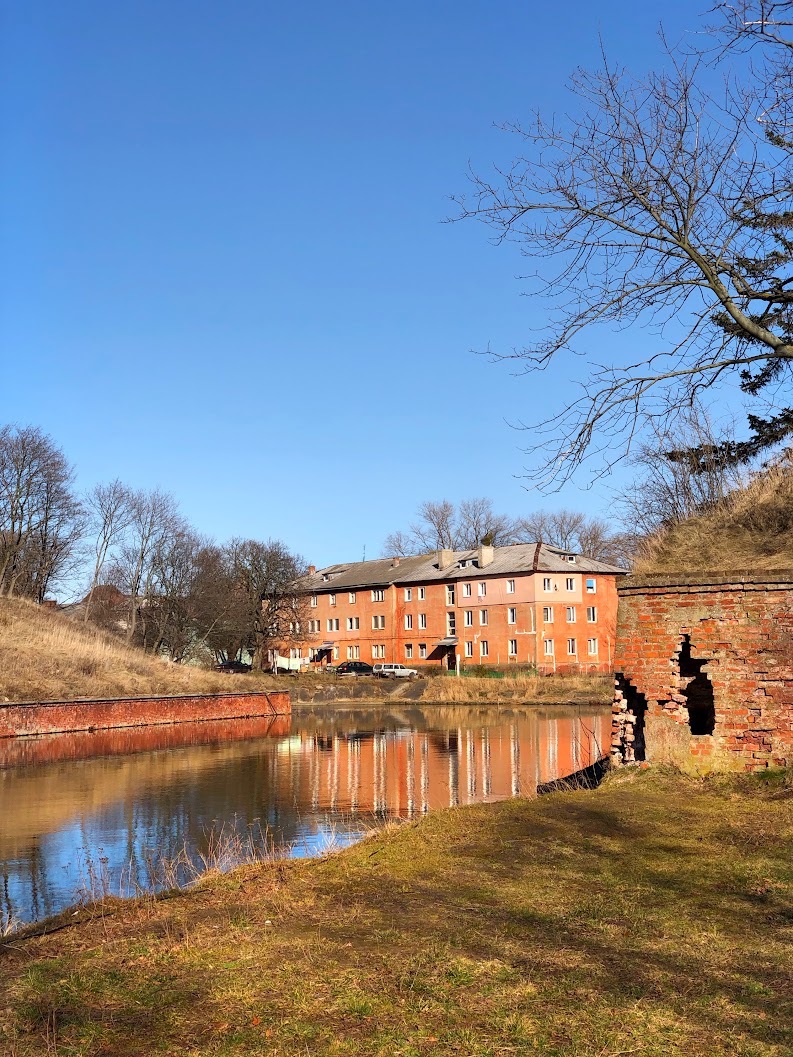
point(110, 510)
point(664, 205)
point(40, 517)
point(680, 473)
point(573, 531)
point(442, 525)
point(153, 518)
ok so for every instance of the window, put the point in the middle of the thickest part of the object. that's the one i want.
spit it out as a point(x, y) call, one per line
point(590, 585)
point(469, 649)
point(547, 647)
point(571, 559)
point(314, 601)
point(466, 590)
point(408, 621)
point(378, 652)
point(313, 627)
point(325, 578)
point(512, 615)
point(423, 621)
point(378, 595)
point(483, 648)
point(591, 614)
point(422, 593)
point(513, 647)
point(378, 622)
point(592, 647)
point(333, 600)
point(547, 614)
point(353, 623)
point(546, 583)
point(408, 651)
point(335, 653)
point(482, 617)
point(408, 594)
point(333, 624)
point(450, 594)
point(423, 649)
point(469, 618)
point(569, 584)
point(349, 652)
point(571, 648)
point(353, 598)
point(570, 612)
point(510, 587)
point(481, 588)
point(450, 624)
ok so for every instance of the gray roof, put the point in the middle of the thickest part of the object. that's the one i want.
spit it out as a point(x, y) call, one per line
point(424, 568)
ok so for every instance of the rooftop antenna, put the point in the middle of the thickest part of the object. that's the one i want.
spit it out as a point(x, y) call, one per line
point(364, 553)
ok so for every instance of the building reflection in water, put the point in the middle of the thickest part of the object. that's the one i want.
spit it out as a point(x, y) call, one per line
point(116, 800)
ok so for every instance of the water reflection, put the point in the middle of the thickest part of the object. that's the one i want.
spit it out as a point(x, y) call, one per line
point(85, 811)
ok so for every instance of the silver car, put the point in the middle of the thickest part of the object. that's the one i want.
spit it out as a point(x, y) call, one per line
point(394, 671)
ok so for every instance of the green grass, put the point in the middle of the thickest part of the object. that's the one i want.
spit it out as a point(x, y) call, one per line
point(651, 916)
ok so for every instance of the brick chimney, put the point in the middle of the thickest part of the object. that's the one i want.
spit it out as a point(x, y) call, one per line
point(445, 559)
point(394, 562)
point(485, 555)
point(311, 570)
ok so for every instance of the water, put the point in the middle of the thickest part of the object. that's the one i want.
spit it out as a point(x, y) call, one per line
point(88, 813)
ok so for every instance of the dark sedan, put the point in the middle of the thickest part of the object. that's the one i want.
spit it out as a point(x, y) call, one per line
point(354, 668)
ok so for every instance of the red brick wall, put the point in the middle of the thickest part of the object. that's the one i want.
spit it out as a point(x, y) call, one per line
point(740, 626)
point(52, 717)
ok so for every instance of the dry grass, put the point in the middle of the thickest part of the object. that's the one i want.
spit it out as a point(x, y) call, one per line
point(751, 529)
point(47, 656)
point(540, 689)
point(652, 917)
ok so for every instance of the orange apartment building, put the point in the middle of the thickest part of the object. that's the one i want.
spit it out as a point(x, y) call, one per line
point(526, 604)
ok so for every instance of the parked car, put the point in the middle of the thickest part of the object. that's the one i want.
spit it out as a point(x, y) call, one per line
point(232, 667)
point(354, 668)
point(394, 671)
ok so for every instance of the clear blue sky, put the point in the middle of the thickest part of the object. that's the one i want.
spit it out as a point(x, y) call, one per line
point(224, 270)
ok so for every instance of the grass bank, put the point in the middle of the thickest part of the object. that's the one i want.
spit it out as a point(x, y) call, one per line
point(542, 689)
point(46, 656)
point(652, 916)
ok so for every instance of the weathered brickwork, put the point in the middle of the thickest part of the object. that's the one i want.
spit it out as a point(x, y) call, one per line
point(53, 717)
point(704, 671)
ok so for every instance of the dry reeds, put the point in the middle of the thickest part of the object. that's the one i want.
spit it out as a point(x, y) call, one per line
point(543, 689)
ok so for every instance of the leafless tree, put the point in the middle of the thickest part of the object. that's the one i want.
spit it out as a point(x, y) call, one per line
point(680, 473)
point(110, 509)
point(40, 517)
point(442, 525)
point(153, 519)
point(574, 531)
point(665, 205)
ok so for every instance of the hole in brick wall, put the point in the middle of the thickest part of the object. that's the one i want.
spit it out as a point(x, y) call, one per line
point(699, 691)
point(637, 704)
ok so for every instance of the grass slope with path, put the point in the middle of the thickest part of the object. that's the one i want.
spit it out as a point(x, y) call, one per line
point(651, 916)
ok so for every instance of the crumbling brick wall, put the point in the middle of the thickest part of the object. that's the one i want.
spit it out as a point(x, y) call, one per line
point(704, 670)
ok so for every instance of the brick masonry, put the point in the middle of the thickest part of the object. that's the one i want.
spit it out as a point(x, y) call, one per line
point(54, 717)
point(704, 671)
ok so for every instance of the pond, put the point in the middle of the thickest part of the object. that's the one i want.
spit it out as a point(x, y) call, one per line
point(116, 812)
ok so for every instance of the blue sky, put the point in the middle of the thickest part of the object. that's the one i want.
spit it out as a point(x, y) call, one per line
point(224, 269)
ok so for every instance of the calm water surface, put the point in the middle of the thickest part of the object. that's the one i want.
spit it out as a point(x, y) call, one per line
point(85, 813)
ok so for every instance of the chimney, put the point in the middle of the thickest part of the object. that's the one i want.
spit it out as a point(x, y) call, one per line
point(445, 559)
point(311, 570)
point(394, 562)
point(485, 555)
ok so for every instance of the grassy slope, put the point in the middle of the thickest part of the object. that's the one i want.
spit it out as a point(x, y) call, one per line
point(751, 529)
point(46, 656)
point(652, 916)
